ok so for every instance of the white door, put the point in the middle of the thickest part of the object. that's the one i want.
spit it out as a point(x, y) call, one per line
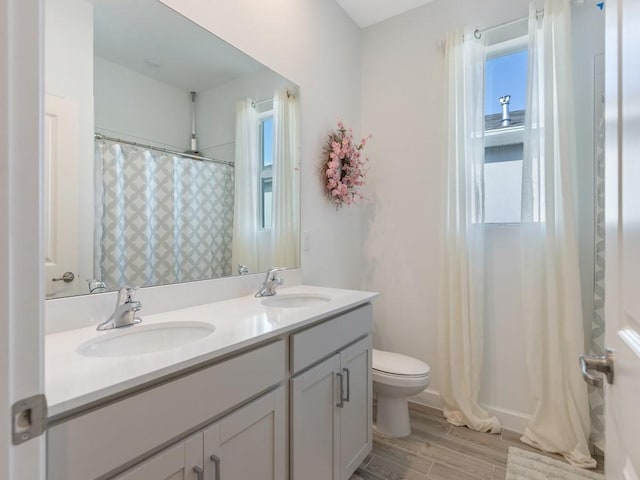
point(355, 415)
point(21, 269)
point(622, 308)
point(249, 443)
point(60, 184)
point(315, 422)
point(179, 462)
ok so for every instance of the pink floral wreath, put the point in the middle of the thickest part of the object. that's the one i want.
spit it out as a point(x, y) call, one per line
point(343, 172)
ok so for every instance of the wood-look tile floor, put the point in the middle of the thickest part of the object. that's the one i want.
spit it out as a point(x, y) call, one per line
point(436, 450)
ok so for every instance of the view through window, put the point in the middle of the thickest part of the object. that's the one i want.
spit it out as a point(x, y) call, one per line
point(505, 100)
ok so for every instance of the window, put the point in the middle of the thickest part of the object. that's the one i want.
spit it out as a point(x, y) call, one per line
point(505, 100)
point(266, 167)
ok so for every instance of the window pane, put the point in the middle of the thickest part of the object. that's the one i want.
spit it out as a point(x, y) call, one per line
point(506, 75)
point(267, 142)
point(267, 195)
point(503, 191)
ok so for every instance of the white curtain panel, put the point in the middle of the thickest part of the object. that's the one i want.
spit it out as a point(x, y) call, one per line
point(462, 297)
point(551, 306)
point(160, 218)
point(285, 229)
point(245, 218)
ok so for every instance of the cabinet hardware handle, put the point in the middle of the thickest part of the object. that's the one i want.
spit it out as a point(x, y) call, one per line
point(340, 404)
point(216, 463)
point(199, 472)
point(346, 371)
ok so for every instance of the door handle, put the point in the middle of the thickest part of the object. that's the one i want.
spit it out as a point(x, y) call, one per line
point(346, 372)
point(199, 472)
point(340, 404)
point(599, 363)
point(216, 464)
point(67, 277)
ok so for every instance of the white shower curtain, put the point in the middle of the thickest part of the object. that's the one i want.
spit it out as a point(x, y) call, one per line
point(285, 231)
point(551, 306)
point(245, 217)
point(462, 296)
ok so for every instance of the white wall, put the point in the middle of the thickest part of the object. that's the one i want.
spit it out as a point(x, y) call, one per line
point(314, 44)
point(68, 56)
point(137, 107)
point(403, 106)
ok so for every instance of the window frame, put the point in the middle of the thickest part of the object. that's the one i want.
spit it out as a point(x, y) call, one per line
point(505, 135)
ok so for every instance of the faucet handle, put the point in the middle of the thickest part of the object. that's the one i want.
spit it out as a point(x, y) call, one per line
point(272, 273)
point(127, 295)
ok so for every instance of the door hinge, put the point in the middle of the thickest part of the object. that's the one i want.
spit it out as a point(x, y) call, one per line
point(28, 418)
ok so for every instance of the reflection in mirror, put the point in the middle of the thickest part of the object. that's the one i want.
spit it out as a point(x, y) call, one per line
point(170, 155)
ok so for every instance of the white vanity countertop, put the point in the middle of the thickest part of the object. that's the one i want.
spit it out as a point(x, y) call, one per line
point(74, 381)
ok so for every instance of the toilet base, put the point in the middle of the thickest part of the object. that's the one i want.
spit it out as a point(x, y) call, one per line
point(392, 418)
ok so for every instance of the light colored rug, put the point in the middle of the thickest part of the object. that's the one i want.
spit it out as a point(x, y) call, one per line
point(525, 465)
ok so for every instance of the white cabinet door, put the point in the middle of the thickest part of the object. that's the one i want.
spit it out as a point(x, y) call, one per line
point(315, 422)
point(355, 415)
point(249, 443)
point(179, 462)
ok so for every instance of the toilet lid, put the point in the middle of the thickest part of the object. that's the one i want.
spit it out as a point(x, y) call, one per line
point(398, 364)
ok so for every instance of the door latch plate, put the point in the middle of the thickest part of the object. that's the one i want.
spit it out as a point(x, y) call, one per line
point(28, 418)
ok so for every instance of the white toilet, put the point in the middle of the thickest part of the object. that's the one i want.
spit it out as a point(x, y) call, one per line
point(396, 377)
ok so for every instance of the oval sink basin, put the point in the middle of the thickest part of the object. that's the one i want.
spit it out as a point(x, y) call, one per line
point(140, 339)
point(294, 300)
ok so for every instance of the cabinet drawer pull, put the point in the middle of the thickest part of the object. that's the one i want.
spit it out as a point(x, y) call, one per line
point(346, 371)
point(340, 404)
point(199, 472)
point(216, 464)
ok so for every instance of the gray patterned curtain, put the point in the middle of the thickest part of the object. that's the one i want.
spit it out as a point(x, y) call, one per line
point(160, 218)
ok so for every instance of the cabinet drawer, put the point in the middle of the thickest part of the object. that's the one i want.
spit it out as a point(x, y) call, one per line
point(318, 342)
point(102, 440)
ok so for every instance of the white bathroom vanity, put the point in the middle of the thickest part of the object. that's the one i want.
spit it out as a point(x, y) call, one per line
point(256, 388)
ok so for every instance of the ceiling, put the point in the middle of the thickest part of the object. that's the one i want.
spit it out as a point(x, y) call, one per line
point(368, 12)
point(148, 37)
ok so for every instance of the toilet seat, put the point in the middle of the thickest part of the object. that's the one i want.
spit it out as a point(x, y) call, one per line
point(393, 380)
point(390, 364)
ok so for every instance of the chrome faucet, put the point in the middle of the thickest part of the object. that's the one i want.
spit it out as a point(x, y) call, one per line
point(125, 311)
point(271, 282)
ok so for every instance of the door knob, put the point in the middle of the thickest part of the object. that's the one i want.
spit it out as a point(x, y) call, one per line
point(67, 277)
point(599, 363)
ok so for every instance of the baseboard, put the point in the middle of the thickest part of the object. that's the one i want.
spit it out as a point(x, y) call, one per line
point(510, 419)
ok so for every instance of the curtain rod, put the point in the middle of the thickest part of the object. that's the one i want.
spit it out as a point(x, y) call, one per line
point(270, 99)
point(478, 32)
point(100, 136)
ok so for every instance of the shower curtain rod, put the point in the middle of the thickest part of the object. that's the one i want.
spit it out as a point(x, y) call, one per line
point(479, 31)
point(100, 136)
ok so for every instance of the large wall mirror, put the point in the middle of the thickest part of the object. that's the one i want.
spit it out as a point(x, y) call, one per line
point(170, 156)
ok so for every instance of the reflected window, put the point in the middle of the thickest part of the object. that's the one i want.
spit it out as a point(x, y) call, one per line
point(266, 168)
